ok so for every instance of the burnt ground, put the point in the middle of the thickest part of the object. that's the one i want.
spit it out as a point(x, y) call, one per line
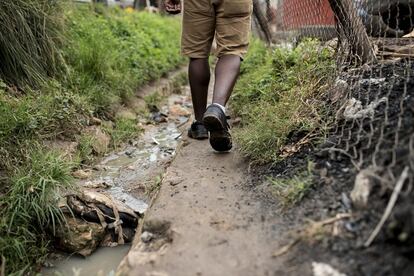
point(381, 143)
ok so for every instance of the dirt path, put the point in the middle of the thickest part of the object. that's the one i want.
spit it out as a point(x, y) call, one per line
point(205, 220)
point(217, 228)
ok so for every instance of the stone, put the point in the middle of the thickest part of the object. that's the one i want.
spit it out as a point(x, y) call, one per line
point(100, 141)
point(81, 174)
point(146, 237)
point(178, 110)
point(101, 183)
point(322, 269)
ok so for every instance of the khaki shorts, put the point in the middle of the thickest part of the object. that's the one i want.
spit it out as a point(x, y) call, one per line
point(228, 21)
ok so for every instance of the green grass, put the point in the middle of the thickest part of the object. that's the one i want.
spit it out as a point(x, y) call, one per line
point(30, 40)
point(292, 190)
point(123, 130)
point(280, 92)
point(112, 53)
point(85, 152)
point(29, 209)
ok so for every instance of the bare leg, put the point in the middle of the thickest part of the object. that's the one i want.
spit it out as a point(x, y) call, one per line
point(199, 76)
point(227, 72)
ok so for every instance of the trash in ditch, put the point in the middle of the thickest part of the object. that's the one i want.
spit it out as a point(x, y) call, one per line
point(353, 109)
point(101, 183)
point(79, 236)
point(94, 219)
point(372, 81)
point(158, 117)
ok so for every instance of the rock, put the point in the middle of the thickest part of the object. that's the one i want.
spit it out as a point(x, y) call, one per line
point(147, 236)
point(81, 174)
point(79, 236)
point(100, 141)
point(362, 188)
point(321, 269)
point(178, 110)
point(102, 183)
point(126, 114)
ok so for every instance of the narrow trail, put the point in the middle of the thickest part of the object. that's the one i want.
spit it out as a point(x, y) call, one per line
point(204, 220)
point(216, 227)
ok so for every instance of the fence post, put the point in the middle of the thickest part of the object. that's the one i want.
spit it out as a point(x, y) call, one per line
point(354, 30)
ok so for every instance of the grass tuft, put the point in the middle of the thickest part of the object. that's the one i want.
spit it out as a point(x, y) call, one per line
point(123, 130)
point(279, 93)
point(30, 40)
point(29, 209)
point(292, 190)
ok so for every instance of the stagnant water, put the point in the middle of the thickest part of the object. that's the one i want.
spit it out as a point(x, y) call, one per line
point(121, 171)
point(104, 261)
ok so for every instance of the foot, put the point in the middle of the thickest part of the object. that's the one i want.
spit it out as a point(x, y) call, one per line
point(215, 120)
point(198, 131)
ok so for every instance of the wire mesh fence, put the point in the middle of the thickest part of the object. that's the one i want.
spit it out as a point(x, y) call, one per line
point(372, 98)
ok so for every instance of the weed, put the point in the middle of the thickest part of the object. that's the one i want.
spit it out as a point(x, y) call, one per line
point(153, 100)
point(178, 82)
point(292, 190)
point(112, 53)
point(123, 130)
point(279, 93)
point(85, 151)
point(154, 187)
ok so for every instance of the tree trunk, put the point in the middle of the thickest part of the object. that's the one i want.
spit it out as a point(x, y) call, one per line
point(353, 29)
point(261, 19)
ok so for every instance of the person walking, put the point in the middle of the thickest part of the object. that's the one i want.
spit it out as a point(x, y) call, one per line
point(229, 22)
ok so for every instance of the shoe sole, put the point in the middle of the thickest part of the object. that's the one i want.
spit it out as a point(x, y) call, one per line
point(220, 138)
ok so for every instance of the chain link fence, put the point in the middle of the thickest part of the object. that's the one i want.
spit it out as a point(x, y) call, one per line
point(372, 98)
